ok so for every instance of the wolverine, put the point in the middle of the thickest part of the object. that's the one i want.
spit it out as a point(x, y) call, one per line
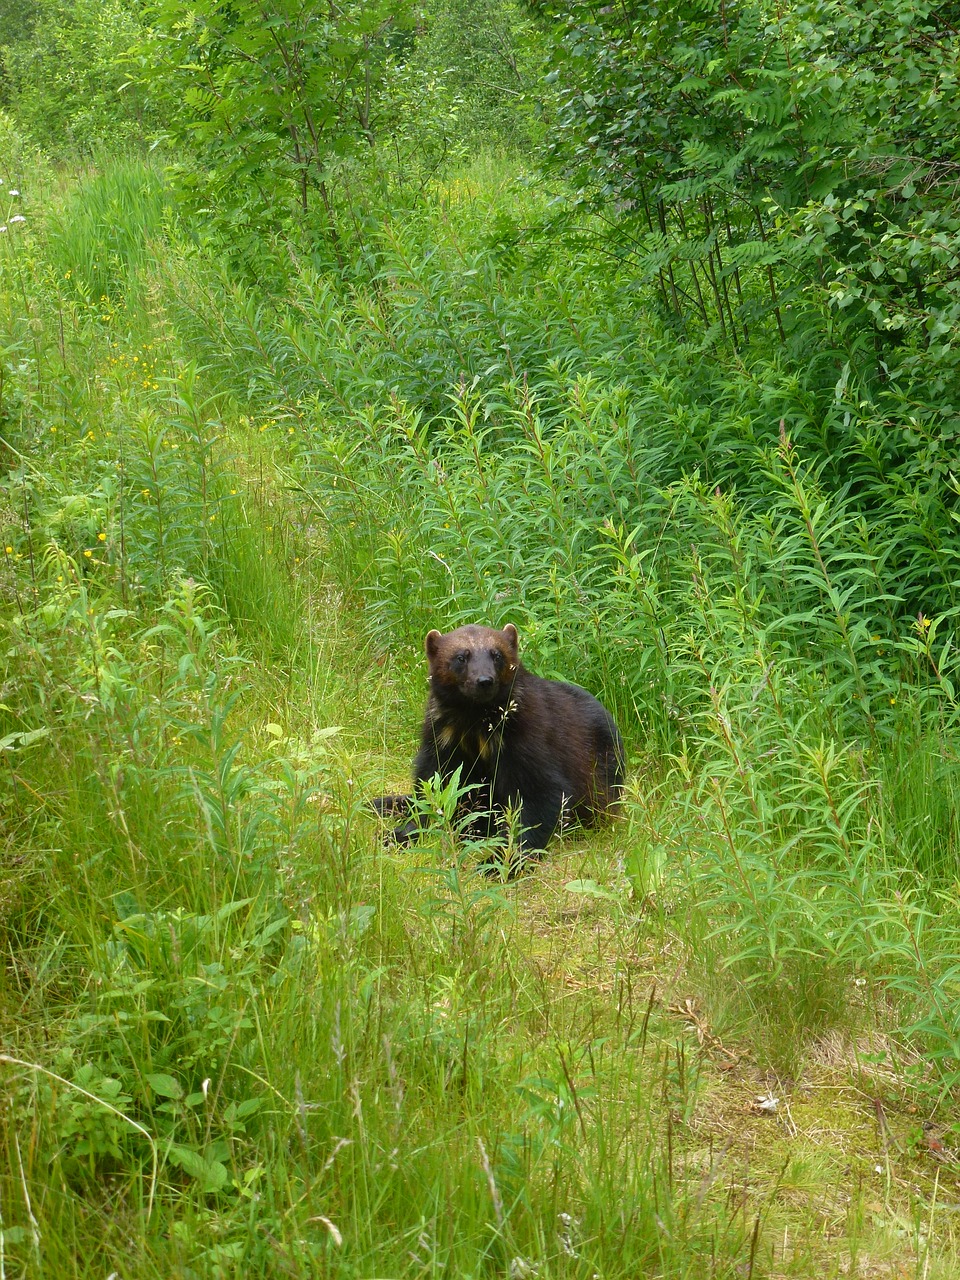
point(541, 749)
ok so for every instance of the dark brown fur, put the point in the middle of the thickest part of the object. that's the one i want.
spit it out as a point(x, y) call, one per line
point(539, 747)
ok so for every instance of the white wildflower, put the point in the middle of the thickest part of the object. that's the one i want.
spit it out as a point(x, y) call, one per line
point(18, 217)
point(521, 1268)
point(567, 1233)
point(13, 192)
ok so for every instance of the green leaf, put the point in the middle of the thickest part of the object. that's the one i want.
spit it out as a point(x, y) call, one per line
point(14, 741)
point(164, 1085)
point(211, 1174)
point(590, 889)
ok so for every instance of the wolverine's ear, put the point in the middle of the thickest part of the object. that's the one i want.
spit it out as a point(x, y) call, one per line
point(510, 631)
point(433, 644)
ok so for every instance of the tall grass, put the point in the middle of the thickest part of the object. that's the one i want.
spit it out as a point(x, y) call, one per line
point(241, 1037)
point(99, 240)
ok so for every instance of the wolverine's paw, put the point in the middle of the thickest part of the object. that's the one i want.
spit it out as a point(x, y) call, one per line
point(387, 807)
point(391, 806)
point(406, 834)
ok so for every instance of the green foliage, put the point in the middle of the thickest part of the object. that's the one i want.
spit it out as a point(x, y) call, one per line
point(776, 160)
point(481, 61)
point(277, 103)
point(17, 19)
point(650, 419)
point(66, 76)
point(684, 131)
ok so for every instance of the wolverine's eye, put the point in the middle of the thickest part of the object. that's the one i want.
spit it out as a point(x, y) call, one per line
point(461, 659)
point(497, 657)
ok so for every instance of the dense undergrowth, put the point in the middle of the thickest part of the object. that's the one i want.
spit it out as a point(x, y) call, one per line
point(240, 1037)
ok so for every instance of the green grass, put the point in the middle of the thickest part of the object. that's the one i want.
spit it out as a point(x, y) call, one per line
point(241, 1035)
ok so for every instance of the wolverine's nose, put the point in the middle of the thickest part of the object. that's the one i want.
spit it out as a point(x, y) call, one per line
point(484, 682)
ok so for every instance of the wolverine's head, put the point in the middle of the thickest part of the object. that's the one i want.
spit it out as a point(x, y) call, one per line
point(473, 664)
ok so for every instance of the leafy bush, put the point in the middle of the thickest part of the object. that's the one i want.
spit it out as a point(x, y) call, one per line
point(782, 170)
point(68, 80)
point(277, 109)
point(479, 64)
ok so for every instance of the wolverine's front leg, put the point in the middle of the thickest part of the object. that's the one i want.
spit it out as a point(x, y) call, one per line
point(539, 819)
